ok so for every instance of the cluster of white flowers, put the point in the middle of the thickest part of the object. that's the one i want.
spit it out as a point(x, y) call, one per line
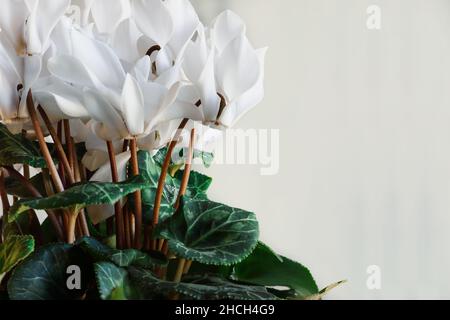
point(127, 69)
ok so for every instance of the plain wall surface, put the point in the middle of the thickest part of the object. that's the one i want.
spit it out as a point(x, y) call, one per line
point(364, 141)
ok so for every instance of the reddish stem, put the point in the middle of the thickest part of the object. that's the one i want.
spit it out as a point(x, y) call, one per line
point(137, 196)
point(120, 231)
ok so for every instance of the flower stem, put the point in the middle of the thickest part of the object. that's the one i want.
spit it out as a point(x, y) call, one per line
point(71, 227)
point(3, 194)
point(5, 203)
point(13, 173)
point(180, 270)
point(69, 144)
point(120, 231)
point(63, 158)
point(77, 176)
point(185, 179)
point(43, 145)
point(162, 179)
point(137, 196)
point(187, 170)
point(187, 266)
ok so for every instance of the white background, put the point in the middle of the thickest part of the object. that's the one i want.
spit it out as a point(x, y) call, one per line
point(364, 119)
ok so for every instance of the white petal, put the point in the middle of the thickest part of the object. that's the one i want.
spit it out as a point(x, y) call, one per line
point(133, 106)
point(65, 97)
point(248, 99)
point(108, 14)
point(153, 19)
point(72, 70)
point(61, 36)
point(99, 58)
point(185, 21)
point(33, 67)
point(44, 15)
point(199, 68)
point(9, 98)
point(9, 60)
point(79, 130)
point(154, 94)
point(13, 14)
point(85, 10)
point(125, 41)
point(10, 76)
point(172, 109)
point(142, 69)
point(164, 60)
point(227, 27)
point(237, 68)
point(104, 113)
point(170, 76)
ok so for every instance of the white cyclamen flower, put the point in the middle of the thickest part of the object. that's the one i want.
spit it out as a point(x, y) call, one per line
point(124, 103)
point(226, 71)
point(25, 26)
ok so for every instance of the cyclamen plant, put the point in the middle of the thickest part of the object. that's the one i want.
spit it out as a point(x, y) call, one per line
point(92, 112)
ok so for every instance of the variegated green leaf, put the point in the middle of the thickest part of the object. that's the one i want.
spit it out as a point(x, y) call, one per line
point(265, 267)
point(110, 281)
point(210, 233)
point(44, 274)
point(13, 250)
point(17, 149)
point(80, 196)
point(203, 287)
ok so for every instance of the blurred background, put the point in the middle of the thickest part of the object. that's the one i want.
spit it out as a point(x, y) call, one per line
point(364, 120)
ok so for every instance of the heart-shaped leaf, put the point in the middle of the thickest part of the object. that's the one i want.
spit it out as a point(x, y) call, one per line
point(12, 251)
point(44, 274)
point(203, 287)
point(266, 268)
point(80, 196)
point(15, 149)
point(110, 281)
point(210, 233)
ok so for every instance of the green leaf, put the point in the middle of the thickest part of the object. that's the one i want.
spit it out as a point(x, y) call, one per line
point(203, 287)
point(197, 186)
point(43, 275)
point(15, 188)
point(210, 233)
point(122, 258)
point(95, 249)
point(15, 149)
point(132, 257)
point(110, 281)
point(80, 196)
point(264, 267)
point(13, 251)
